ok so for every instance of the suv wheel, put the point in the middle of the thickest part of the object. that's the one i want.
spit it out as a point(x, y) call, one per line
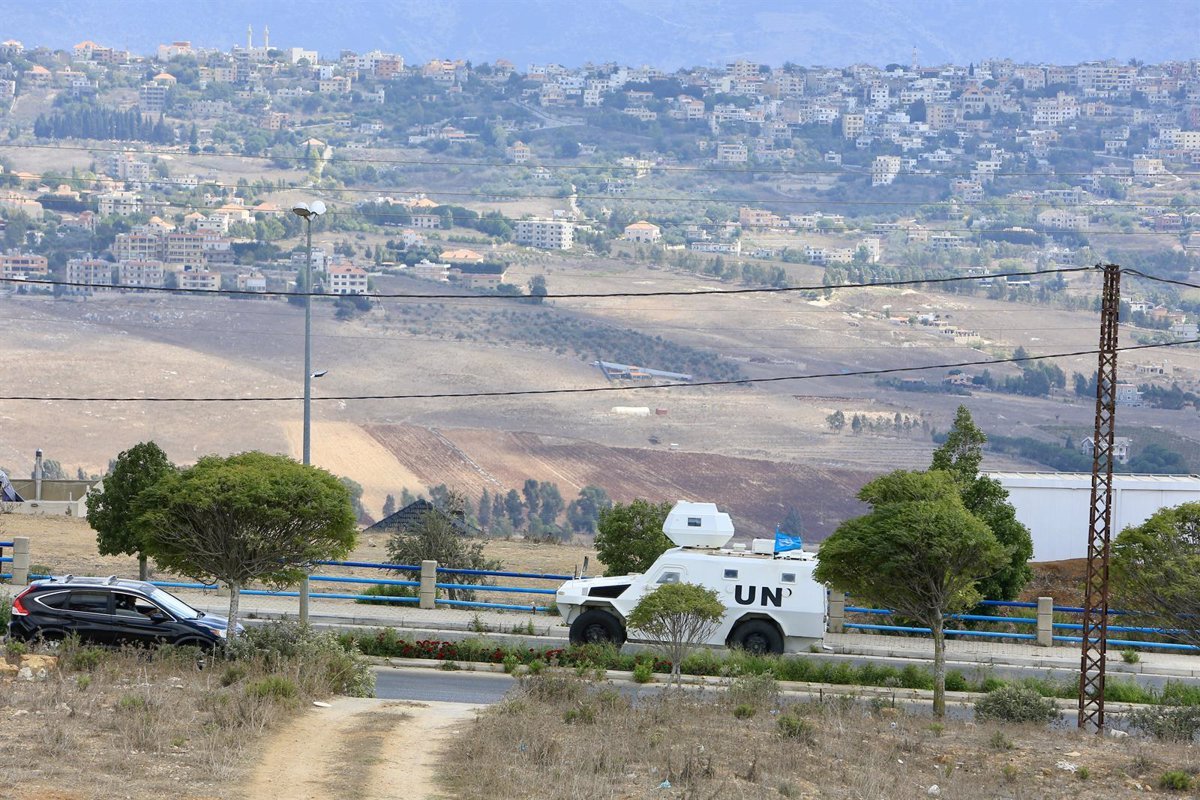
point(597, 627)
point(757, 636)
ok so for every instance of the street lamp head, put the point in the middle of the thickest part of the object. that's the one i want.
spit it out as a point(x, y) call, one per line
point(314, 209)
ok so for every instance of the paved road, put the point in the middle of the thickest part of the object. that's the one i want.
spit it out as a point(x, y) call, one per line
point(485, 688)
point(435, 686)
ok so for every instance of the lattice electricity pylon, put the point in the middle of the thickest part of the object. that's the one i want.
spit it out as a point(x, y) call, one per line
point(1095, 603)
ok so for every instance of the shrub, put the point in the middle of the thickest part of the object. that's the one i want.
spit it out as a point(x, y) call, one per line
point(1130, 656)
point(998, 741)
point(553, 687)
point(5, 611)
point(232, 674)
point(316, 661)
point(1127, 692)
point(956, 682)
point(1168, 723)
point(85, 659)
point(536, 667)
point(1175, 781)
point(15, 648)
point(583, 713)
point(131, 702)
point(272, 687)
point(1015, 704)
point(744, 711)
point(643, 672)
point(757, 691)
point(510, 663)
point(383, 590)
point(797, 728)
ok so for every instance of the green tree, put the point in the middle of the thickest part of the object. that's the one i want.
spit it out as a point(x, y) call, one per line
point(248, 517)
point(919, 552)
point(629, 537)
point(584, 512)
point(677, 618)
point(356, 492)
point(550, 502)
point(533, 497)
point(961, 455)
point(836, 421)
point(436, 538)
point(514, 508)
point(113, 511)
point(1156, 570)
point(537, 289)
point(389, 506)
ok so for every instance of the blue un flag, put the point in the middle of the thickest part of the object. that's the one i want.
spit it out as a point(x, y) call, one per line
point(786, 541)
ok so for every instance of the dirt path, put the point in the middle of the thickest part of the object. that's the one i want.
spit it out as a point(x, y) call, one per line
point(358, 749)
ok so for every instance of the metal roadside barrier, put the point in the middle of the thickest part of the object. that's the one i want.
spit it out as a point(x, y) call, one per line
point(426, 586)
point(1044, 624)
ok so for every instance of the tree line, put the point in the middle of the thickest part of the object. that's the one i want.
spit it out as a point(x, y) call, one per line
point(538, 509)
point(98, 122)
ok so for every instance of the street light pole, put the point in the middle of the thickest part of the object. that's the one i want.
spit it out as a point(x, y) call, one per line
point(307, 211)
point(307, 445)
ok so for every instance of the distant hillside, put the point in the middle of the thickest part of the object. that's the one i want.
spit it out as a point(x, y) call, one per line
point(665, 33)
point(757, 492)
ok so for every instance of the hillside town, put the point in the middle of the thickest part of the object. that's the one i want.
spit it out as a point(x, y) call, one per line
point(950, 166)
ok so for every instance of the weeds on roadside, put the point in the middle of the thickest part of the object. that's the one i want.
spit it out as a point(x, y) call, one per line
point(1175, 781)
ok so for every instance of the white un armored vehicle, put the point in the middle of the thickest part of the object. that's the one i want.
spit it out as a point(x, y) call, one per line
point(772, 603)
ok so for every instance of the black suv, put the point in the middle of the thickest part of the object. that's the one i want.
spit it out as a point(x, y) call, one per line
point(110, 611)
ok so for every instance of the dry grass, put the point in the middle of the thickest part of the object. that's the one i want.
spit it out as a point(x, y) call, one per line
point(118, 724)
point(559, 738)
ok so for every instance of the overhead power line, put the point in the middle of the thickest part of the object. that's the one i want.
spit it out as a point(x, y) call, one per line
point(584, 390)
point(1160, 279)
point(561, 296)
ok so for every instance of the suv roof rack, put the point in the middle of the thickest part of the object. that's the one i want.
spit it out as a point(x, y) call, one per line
point(111, 580)
point(68, 578)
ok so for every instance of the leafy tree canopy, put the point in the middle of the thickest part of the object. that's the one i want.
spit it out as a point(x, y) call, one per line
point(961, 455)
point(919, 552)
point(113, 511)
point(243, 518)
point(1156, 570)
point(630, 537)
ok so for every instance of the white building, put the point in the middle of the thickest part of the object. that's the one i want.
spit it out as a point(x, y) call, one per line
point(347, 280)
point(121, 204)
point(884, 170)
point(547, 234)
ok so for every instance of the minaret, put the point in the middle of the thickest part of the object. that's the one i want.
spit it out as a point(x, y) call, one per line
point(914, 58)
point(266, 37)
point(249, 37)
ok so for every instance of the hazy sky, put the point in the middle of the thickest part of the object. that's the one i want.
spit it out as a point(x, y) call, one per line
point(666, 33)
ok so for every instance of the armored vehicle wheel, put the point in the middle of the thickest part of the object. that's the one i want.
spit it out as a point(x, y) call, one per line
point(597, 627)
point(757, 636)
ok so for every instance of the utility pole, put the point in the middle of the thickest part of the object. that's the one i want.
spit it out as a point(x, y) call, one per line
point(1095, 605)
point(306, 212)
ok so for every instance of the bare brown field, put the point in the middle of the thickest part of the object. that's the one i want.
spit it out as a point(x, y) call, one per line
point(756, 492)
point(560, 738)
point(754, 449)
